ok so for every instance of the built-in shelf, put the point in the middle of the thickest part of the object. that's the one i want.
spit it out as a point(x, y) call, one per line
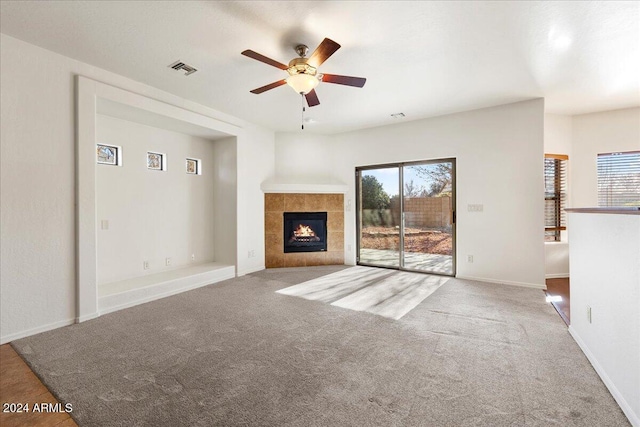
point(302, 185)
point(127, 293)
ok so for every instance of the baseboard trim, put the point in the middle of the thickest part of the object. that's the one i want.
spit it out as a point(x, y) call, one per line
point(34, 331)
point(557, 276)
point(250, 270)
point(634, 418)
point(110, 308)
point(87, 317)
point(503, 282)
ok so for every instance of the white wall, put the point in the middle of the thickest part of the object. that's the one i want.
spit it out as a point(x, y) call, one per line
point(37, 188)
point(557, 140)
point(557, 134)
point(303, 155)
point(605, 275)
point(255, 164)
point(605, 132)
point(225, 200)
point(152, 215)
point(499, 154)
point(556, 259)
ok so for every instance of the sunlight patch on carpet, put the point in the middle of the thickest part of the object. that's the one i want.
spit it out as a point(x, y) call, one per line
point(387, 293)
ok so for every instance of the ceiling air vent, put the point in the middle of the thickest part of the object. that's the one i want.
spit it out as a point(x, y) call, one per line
point(181, 66)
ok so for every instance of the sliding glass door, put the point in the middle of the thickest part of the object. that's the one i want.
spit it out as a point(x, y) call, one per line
point(379, 217)
point(406, 216)
point(428, 217)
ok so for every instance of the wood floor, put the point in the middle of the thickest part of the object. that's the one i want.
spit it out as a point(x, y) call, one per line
point(560, 288)
point(19, 385)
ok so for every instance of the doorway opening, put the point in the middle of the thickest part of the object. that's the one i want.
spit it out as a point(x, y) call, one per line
point(558, 295)
point(406, 216)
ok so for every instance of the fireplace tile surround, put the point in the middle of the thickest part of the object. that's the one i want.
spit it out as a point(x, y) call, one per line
point(276, 204)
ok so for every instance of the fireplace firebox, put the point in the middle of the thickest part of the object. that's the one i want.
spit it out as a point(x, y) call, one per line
point(305, 231)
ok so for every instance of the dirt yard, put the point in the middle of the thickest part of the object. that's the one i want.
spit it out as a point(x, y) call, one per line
point(415, 240)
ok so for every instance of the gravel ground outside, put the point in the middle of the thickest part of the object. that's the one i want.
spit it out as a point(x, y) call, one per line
point(422, 240)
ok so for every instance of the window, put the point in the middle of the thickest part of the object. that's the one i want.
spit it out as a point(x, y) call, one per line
point(156, 161)
point(619, 179)
point(194, 167)
point(108, 155)
point(555, 195)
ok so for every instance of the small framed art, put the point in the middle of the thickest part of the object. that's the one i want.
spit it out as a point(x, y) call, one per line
point(108, 154)
point(193, 166)
point(156, 161)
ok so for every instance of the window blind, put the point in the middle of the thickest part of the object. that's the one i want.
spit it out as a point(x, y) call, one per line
point(555, 195)
point(619, 179)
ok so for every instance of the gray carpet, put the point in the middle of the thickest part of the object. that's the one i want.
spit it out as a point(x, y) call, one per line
point(238, 353)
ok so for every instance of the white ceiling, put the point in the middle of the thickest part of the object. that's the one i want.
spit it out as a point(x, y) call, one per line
point(420, 58)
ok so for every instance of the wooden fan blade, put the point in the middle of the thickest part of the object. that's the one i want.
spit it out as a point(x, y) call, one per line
point(327, 48)
point(344, 80)
point(312, 98)
point(269, 87)
point(262, 58)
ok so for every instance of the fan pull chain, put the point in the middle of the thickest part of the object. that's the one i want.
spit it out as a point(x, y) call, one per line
point(303, 110)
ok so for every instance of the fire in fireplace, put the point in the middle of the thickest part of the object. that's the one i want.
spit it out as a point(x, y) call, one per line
point(305, 231)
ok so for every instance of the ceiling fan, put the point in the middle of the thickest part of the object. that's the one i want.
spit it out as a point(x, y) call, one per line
point(303, 71)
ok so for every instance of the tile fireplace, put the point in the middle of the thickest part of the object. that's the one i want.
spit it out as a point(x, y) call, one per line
point(331, 251)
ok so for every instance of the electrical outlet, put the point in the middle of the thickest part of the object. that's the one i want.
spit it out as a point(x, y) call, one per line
point(145, 265)
point(469, 258)
point(348, 248)
point(589, 314)
point(193, 257)
point(475, 208)
point(104, 224)
point(167, 262)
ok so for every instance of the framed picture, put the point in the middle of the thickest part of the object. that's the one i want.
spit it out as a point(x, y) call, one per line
point(107, 154)
point(156, 161)
point(193, 166)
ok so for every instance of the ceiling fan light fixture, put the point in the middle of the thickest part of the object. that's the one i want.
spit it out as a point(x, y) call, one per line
point(302, 83)
point(303, 71)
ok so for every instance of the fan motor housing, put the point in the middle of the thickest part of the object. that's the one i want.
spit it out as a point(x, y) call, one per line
point(299, 65)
